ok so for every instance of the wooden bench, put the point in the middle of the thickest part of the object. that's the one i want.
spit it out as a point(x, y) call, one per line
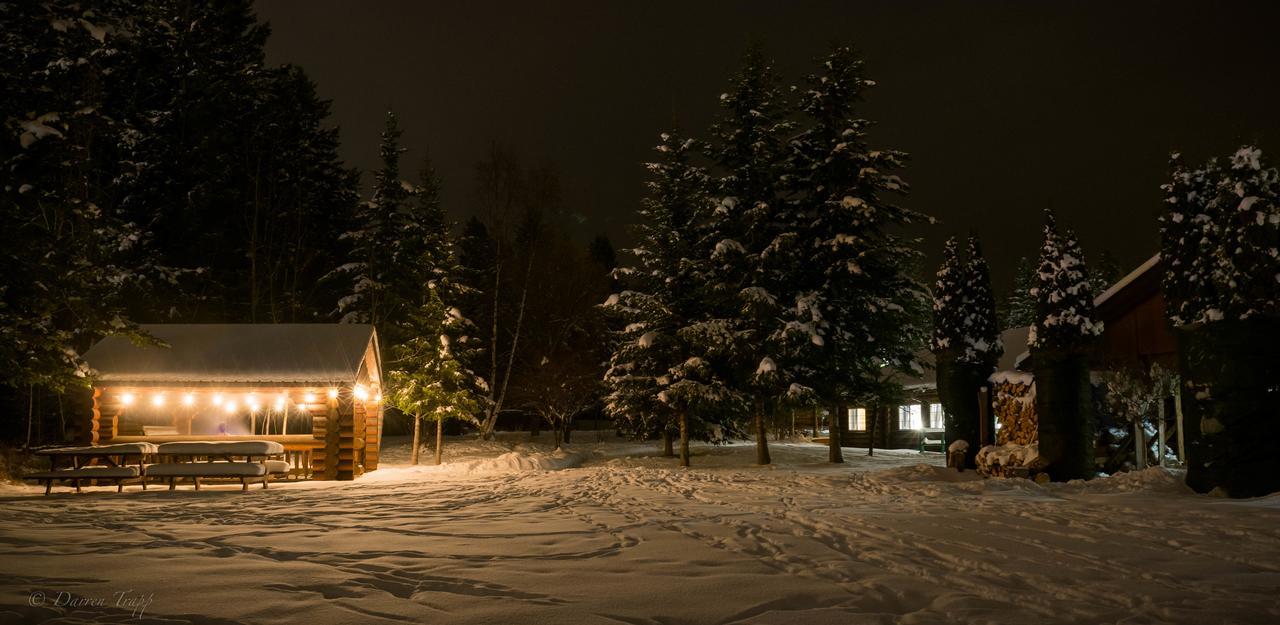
point(118, 475)
point(120, 463)
point(940, 442)
point(219, 460)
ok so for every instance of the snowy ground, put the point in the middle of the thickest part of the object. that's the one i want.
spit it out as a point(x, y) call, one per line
point(609, 533)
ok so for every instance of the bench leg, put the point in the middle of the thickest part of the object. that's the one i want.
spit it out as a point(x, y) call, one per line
point(243, 484)
point(119, 486)
point(76, 483)
point(265, 479)
point(48, 486)
point(144, 483)
point(171, 483)
point(196, 480)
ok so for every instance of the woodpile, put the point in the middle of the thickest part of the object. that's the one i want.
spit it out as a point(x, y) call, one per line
point(1014, 404)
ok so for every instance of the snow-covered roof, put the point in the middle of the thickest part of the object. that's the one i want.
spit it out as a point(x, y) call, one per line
point(288, 353)
point(1127, 280)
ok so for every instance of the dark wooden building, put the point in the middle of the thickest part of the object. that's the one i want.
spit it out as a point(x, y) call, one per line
point(1136, 333)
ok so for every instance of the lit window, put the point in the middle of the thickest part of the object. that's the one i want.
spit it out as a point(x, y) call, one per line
point(936, 415)
point(858, 419)
point(909, 417)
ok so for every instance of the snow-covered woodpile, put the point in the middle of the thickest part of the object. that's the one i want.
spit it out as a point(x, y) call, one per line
point(1010, 460)
point(1014, 406)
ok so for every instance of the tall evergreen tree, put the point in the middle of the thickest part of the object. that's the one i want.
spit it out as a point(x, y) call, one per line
point(966, 341)
point(1020, 305)
point(70, 253)
point(390, 259)
point(1220, 244)
point(748, 283)
point(1064, 330)
point(670, 361)
point(851, 308)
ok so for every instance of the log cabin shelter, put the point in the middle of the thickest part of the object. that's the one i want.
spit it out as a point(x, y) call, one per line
point(1135, 332)
point(918, 414)
point(314, 388)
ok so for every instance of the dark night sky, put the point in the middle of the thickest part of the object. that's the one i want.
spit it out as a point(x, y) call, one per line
point(1005, 107)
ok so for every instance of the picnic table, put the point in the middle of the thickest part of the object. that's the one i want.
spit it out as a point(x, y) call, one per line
point(121, 463)
point(135, 462)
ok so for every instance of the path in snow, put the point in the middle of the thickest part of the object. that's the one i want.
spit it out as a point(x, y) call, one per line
point(619, 537)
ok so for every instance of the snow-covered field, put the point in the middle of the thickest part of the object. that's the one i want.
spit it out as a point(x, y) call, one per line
point(610, 533)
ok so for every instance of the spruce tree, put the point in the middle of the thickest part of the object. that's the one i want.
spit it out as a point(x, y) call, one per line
point(387, 267)
point(428, 368)
point(669, 361)
point(1060, 338)
point(851, 308)
point(1020, 305)
point(1220, 236)
point(966, 340)
point(747, 281)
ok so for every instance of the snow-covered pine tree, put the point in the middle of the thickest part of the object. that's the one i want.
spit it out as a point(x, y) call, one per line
point(948, 300)
point(388, 265)
point(428, 372)
point(427, 375)
point(747, 281)
point(966, 341)
point(70, 252)
point(1220, 243)
point(1020, 305)
point(851, 294)
point(1064, 330)
point(661, 374)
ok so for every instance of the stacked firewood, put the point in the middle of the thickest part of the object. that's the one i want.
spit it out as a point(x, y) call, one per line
point(1014, 404)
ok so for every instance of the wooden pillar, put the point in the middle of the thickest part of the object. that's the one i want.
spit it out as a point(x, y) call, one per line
point(324, 460)
point(372, 436)
point(984, 417)
point(1177, 411)
point(105, 419)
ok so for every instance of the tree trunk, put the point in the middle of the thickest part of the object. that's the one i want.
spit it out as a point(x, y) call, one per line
point(666, 443)
point(417, 436)
point(568, 428)
point(439, 440)
point(31, 409)
point(1139, 446)
point(834, 453)
point(762, 439)
point(874, 415)
point(487, 431)
point(817, 427)
point(684, 439)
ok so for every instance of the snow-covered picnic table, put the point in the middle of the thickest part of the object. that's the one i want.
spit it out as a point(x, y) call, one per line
point(124, 462)
point(135, 462)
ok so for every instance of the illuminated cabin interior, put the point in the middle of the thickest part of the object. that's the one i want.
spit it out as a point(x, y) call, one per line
point(314, 388)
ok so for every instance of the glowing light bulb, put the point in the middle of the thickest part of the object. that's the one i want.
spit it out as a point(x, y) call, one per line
point(301, 407)
point(279, 404)
point(251, 401)
point(157, 400)
point(127, 399)
point(333, 393)
point(360, 393)
point(188, 400)
point(229, 406)
point(377, 398)
point(309, 398)
point(217, 399)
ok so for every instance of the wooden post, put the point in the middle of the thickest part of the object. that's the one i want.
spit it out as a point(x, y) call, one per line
point(1139, 445)
point(1177, 410)
point(1160, 426)
point(984, 417)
